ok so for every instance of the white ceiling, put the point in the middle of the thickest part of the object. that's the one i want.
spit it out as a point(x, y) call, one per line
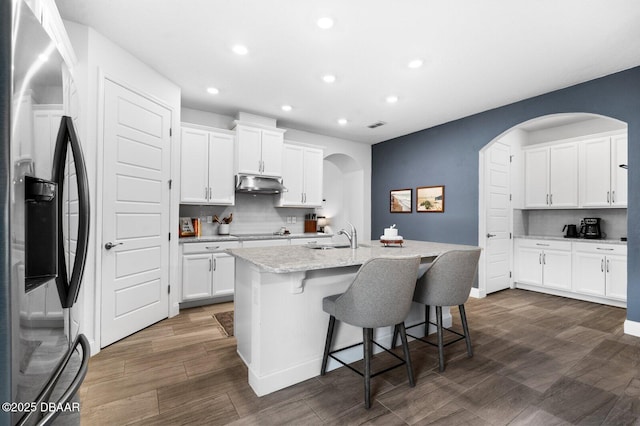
point(478, 54)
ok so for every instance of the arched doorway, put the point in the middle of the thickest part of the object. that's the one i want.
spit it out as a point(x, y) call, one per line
point(502, 213)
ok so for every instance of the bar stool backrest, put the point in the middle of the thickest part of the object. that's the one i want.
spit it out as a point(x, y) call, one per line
point(449, 279)
point(380, 294)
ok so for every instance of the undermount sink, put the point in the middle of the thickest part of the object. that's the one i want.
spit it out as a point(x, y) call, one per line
point(327, 246)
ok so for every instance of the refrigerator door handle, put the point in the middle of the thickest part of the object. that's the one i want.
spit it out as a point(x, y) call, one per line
point(69, 392)
point(68, 287)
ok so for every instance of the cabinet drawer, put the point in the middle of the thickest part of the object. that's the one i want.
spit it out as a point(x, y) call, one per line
point(209, 247)
point(545, 244)
point(265, 243)
point(603, 249)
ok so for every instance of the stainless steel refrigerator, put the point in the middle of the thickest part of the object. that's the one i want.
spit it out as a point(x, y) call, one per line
point(44, 224)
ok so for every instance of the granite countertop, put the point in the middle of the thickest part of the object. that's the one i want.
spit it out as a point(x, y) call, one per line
point(248, 236)
point(285, 259)
point(575, 240)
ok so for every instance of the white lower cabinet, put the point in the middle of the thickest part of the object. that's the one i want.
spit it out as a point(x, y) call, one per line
point(544, 263)
point(600, 270)
point(207, 271)
point(584, 270)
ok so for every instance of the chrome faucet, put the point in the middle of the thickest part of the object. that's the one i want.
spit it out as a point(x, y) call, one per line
point(353, 237)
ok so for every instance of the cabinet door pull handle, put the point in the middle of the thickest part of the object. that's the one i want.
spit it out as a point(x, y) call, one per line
point(544, 258)
point(550, 199)
point(542, 245)
point(607, 196)
point(209, 264)
point(602, 265)
point(212, 247)
point(490, 235)
point(540, 258)
point(547, 199)
point(301, 197)
point(607, 266)
point(613, 196)
point(215, 264)
point(604, 248)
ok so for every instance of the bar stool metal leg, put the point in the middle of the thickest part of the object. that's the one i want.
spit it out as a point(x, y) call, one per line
point(440, 337)
point(394, 339)
point(327, 345)
point(426, 320)
point(407, 356)
point(368, 349)
point(465, 328)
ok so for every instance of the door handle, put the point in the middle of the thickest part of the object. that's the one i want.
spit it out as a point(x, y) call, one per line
point(490, 235)
point(110, 245)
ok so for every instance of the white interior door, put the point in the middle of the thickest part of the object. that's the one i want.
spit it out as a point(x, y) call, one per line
point(135, 271)
point(497, 252)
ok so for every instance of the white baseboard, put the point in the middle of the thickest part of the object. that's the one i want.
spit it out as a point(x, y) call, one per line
point(632, 328)
point(478, 293)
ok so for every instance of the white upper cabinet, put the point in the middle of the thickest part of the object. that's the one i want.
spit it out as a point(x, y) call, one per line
point(206, 163)
point(619, 174)
point(603, 182)
point(302, 176)
point(536, 178)
point(259, 150)
point(551, 176)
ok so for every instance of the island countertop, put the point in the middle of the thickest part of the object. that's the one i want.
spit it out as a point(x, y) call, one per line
point(286, 259)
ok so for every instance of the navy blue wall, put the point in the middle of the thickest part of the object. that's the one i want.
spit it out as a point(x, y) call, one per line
point(448, 155)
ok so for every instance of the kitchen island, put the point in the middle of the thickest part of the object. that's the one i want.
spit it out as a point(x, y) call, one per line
point(280, 326)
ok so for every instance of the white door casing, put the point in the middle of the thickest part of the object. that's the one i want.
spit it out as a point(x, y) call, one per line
point(135, 211)
point(497, 238)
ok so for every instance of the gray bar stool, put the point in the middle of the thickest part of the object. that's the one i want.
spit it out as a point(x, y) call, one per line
point(379, 296)
point(447, 282)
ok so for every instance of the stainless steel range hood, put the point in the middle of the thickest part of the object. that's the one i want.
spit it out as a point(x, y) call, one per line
point(259, 185)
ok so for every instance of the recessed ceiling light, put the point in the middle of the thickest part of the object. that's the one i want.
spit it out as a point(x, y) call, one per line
point(342, 121)
point(392, 99)
point(416, 63)
point(329, 78)
point(287, 108)
point(240, 49)
point(325, 23)
point(213, 90)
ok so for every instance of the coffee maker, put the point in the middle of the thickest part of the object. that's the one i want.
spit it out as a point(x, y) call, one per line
point(590, 228)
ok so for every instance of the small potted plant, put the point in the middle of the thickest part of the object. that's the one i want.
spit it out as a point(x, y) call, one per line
point(223, 227)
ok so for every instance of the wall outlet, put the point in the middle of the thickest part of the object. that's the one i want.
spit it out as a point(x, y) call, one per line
point(288, 219)
point(293, 219)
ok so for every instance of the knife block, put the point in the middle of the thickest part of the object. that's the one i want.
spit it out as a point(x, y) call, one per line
point(310, 226)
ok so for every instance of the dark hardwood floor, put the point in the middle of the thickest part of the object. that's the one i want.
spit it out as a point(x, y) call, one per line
point(538, 360)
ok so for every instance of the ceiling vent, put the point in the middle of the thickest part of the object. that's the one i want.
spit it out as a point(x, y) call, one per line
point(378, 124)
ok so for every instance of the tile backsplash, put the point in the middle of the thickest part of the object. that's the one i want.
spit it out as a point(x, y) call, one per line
point(550, 222)
point(251, 214)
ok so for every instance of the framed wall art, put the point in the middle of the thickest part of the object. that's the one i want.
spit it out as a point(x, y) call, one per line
point(430, 199)
point(400, 201)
